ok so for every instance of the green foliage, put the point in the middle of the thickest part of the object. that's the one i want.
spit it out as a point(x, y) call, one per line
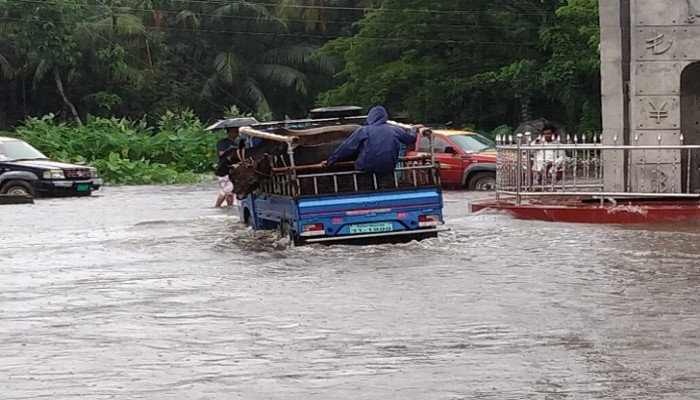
point(235, 112)
point(486, 63)
point(124, 171)
point(499, 130)
point(45, 32)
point(128, 151)
point(107, 100)
point(572, 74)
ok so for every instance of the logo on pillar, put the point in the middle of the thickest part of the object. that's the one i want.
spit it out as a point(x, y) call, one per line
point(657, 44)
point(657, 113)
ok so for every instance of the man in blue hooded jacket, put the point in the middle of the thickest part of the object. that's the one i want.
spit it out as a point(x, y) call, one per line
point(375, 146)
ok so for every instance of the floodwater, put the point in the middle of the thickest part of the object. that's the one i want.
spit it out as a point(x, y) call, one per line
point(150, 293)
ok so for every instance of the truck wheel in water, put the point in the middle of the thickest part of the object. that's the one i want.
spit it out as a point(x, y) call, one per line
point(247, 219)
point(483, 181)
point(288, 233)
point(17, 188)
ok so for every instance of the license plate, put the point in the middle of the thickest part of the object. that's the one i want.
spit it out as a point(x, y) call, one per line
point(372, 228)
point(82, 188)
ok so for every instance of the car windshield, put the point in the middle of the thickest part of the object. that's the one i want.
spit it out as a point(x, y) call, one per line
point(18, 150)
point(473, 143)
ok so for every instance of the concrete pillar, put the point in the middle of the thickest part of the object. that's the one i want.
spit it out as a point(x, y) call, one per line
point(614, 68)
point(645, 47)
point(656, 68)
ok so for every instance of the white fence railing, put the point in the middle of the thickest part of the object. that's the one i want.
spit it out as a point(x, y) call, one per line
point(585, 166)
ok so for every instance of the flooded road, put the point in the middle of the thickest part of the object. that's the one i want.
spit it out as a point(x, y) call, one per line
point(149, 293)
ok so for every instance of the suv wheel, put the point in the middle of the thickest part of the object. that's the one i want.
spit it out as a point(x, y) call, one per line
point(483, 181)
point(17, 188)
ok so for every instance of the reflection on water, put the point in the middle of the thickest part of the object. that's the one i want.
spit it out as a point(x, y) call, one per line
point(148, 293)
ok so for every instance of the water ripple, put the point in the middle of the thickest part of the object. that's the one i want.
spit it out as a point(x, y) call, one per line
point(170, 299)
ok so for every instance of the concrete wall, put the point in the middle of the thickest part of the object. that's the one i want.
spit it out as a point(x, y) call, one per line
point(665, 39)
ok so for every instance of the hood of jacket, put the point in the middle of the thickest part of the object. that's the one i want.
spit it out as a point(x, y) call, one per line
point(377, 116)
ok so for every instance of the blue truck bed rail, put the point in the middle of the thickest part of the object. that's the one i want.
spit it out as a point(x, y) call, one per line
point(414, 172)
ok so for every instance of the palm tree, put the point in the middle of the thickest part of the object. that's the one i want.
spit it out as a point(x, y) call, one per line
point(254, 74)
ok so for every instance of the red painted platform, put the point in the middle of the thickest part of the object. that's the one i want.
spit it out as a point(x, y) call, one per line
point(590, 211)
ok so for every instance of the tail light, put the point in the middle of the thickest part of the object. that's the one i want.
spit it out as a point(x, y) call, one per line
point(402, 215)
point(428, 220)
point(312, 230)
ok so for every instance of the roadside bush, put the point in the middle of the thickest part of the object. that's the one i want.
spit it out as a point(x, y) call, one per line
point(124, 171)
point(129, 152)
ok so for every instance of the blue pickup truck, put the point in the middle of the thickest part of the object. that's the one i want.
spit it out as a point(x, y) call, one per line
point(309, 204)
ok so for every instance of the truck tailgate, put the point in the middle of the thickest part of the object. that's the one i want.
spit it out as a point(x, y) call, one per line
point(356, 204)
point(383, 213)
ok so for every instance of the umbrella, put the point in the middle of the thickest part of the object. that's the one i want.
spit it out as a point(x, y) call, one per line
point(537, 126)
point(232, 123)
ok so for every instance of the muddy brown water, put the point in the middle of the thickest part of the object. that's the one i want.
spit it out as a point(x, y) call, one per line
point(149, 293)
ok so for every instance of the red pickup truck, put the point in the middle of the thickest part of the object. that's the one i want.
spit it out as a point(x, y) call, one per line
point(466, 159)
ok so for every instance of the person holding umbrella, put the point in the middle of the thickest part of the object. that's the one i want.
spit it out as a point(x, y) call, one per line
point(226, 149)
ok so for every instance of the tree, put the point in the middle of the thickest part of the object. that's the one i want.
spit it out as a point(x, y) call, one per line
point(571, 74)
point(43, 34)
point(254, 74)
point(470, 61)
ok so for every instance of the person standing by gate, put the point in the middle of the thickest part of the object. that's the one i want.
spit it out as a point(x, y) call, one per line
point(547, 162)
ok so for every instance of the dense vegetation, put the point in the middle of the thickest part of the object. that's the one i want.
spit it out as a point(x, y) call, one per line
point(96, 65)
point(128, 152)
